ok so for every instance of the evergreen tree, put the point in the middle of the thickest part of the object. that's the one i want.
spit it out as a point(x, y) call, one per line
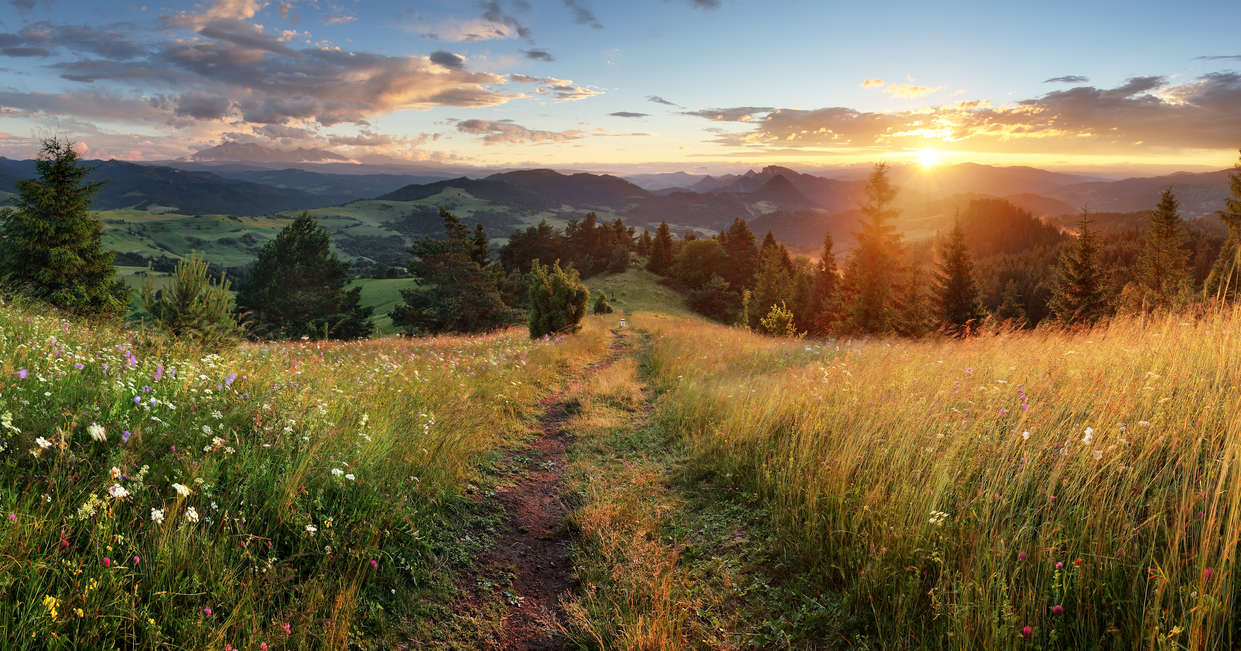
point(1224, 281)
point(873, 273)
point(454, 293)
point(1162, 276)
point(914, 316)
point(480, 251)
point(193, 305)
point(956, 293)
point(773, 285)
point(52, 247)
point(644, 243)
point(1079, 294)
point(557, 300)
point(825, 300)
point(661, 258)
point(715, 299)
point(738, 243)
point(602, 306)
point(1011, 308)
point(296, 288)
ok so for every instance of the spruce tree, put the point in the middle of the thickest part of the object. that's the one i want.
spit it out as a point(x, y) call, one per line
point(557, 300)
point(193, 305)
point(913, 314)
point(958, 308)
point(52, 247)
point(296, 288)
point(738, 243)
point(1162, 276)
point(1079, 297)
point(1011, 308)
point(454, 293)
point(1224, 281)
point(480, 251)
point(772, 285)
point(661, 251)
point(825, 301)
point(873, 273)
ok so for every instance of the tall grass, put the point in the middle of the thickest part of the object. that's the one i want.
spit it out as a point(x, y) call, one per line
point(298, 495)
point(957, 492)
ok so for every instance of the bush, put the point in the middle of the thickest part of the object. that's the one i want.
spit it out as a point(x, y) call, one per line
point(619, 261)
point(715, 299)
point(778, 322)
point(193, 306)
point(602, 306)
point(557, 300)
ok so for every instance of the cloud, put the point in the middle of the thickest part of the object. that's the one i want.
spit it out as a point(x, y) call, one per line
point(448, 60)
point(510, 133)
point(705, 4)
point(467, 31)
point(202, 106)
point(339, 20)
point(567, 92)
point(909, 91)
point(494, 13)
point(659, 100)
point(1067, 79)
point(1142, 113)
point(582, 15)
point(25, 51)
point(872, 83)
point(24, 6)
point(734, 114)
point(110, 42)
point(1220, 57)
point(538, 55)
point(629, 114)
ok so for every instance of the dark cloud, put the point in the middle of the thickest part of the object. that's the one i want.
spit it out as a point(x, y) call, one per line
point(628, 114)
point(538, 55)
point(494, 13)
point(25, 51)
point(244, 35)
point(448, 60)
point(582, 15)
point(203, 106)
point(108, 42)
point(659, 100)
point(733, 114)
point(705, 4)
point(1067, 79)
point(23, 6)
point(1143, 112)
point(510, 133)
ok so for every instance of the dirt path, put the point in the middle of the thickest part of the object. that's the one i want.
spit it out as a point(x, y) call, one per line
point(533, 544)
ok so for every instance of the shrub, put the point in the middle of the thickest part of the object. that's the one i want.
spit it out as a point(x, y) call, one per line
point(602, 306)
point(778, 322)
point(193, 305)
point(557, 300)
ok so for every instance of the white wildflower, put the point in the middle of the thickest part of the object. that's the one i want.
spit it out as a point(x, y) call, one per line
point(157, 515)
point(191, 514)
point(1089, 436)
point(43, 443)
point(311, 528)
point(118, 491)
point(97, 432)
point(336, 472)
point(350, 476)
point(181, 489)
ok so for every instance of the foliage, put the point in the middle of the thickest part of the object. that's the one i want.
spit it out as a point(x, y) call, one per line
point(824, 308)
point(296, 288)
point(457, 290)
point(51, 246)
point(1224, 280)
point(959, 312)
point(1079, 296)
point(778, 322)
point(872, 274)
point(661, 259)
point(1161, 277)
point(698, 261)
point(715, 299)
point(193, 305)
point(602, 306)
point(557, 300)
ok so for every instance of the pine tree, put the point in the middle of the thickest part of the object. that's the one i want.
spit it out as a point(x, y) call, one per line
point(872, 275)
point(1224, 281)
point(644, 243)
point(738, 243)
point(52, 247)
point(1162, 276)
point(557, 300)
point(661, 251)
point(825, 301)
point(454, 293)
point(296, 288)
point(1079, 294)
point(480, 250)
point(193, 305)
point(602, 306)
point(1011, 309)
point(914, 317)
point(959, 310)
point(772, 285)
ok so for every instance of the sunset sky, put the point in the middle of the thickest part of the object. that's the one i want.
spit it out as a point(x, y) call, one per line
point(641, 85)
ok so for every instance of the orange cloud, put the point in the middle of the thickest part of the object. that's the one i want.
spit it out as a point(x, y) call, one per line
point(909, 91)
point(872, 83)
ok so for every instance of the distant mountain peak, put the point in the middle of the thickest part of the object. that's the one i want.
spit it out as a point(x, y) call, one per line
point(254, 153)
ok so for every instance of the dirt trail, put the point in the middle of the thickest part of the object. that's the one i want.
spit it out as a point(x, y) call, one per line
point(533, 541)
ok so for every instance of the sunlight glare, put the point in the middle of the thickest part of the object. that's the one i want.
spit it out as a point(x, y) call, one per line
point(928, 157)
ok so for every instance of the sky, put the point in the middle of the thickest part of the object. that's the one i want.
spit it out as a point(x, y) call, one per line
point(629, 86)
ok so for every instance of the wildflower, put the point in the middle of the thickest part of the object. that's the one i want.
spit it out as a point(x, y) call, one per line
point(1089, 436)
point(349, 476)
point(1059, 565)
point(1025, 436)
point(181, 489)
point(1057, 610)
point(288, 630)
point(137, 560)
point(43, 443)
point(97, 432)
point(117, 491)
point(21, 374)
point(1021, 556)
point(1208, 573)
point(125, 436)
point(12, 517)
point(337, 472)
point(374, 564)
point(207, 611)
point(107, 562)
point(311, 528)
point(157, 515)
point(1098, 454)
point(191, 514)
point(1027, 632)
point(114, 472)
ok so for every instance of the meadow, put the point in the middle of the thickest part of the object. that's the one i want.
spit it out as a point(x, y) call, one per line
point(1065, 490)
point(299, 495)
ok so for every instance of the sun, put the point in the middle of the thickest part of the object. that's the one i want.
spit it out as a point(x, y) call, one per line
point(928, 157)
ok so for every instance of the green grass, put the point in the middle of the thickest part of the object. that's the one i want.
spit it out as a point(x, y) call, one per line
point(323, 482)
point(383, 294)
point(638, 290)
